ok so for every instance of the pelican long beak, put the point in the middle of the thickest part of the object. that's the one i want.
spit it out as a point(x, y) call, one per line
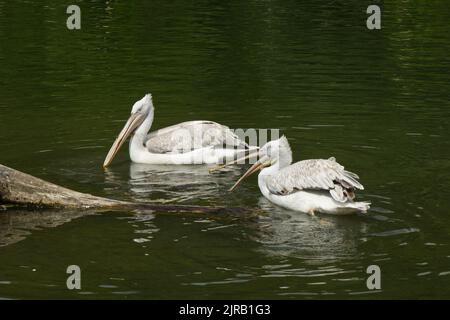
point(261, 163)
point(251, 155)
point(133, 122)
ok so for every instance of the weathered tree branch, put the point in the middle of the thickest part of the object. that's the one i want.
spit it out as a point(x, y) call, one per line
point(23, 189)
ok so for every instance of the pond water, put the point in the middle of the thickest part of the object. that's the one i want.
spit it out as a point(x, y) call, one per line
point(376, 100)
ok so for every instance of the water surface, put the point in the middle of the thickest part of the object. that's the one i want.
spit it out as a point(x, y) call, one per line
point(377, 101)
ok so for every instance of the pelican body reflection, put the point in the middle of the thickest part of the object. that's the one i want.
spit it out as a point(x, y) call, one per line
point(170, 183)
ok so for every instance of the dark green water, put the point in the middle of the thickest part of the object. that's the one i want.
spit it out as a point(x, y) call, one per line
point(376, 100)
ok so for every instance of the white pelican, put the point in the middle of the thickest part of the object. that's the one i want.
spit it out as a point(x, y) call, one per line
point(192, 142)
point(307, 186)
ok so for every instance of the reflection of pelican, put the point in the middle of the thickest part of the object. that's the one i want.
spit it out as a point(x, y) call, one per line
point(283, 233)
point(307, 186)
point(192, 142)
point(169, 183)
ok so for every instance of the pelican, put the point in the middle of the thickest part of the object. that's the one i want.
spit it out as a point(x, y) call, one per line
point(191, 142)
point(309, 186)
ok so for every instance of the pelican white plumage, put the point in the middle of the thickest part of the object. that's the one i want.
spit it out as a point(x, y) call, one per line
point(310, 186)
point(191, 142)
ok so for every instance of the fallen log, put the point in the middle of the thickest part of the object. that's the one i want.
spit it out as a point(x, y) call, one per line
point(22, 189)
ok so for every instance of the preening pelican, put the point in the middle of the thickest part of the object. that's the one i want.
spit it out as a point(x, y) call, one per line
point(192, 142)
point(307, 186)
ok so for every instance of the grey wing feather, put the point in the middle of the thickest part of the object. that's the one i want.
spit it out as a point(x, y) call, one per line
point(191, 135)
point(315, 174)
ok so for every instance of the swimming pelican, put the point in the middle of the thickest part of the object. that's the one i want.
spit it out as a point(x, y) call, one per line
point(191, 142)
point(307, 186)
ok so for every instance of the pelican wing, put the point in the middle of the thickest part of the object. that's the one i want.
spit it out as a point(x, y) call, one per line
point(192, 135)
point(315, 174)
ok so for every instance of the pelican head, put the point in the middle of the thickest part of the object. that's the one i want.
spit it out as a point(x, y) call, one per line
point(142, 110)
point(273, 153)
